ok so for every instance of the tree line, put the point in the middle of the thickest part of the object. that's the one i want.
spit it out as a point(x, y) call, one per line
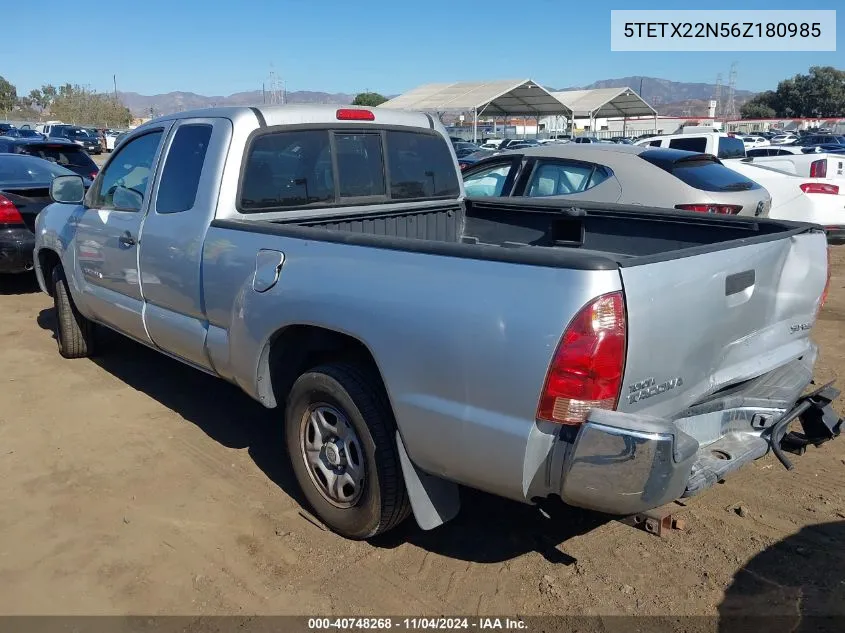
point(70, 103)
point(818, 94)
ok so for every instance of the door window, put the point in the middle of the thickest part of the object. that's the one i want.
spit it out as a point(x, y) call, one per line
point(557, 179)
point(487, 182)
point(180, 177)
point(124, 181)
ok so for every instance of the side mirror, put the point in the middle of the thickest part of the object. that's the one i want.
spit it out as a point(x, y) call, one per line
point(68, 189)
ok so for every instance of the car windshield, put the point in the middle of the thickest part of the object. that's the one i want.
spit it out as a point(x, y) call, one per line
point(28, 133)
point(17, 170)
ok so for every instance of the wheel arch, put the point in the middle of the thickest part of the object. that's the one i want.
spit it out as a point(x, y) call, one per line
point(48, 259)
point(293, 349)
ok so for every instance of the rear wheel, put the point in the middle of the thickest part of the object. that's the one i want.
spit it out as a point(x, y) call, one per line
point(340, 436)
point(74, 333)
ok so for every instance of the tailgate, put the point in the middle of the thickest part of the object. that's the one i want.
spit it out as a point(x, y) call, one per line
point(703, 322)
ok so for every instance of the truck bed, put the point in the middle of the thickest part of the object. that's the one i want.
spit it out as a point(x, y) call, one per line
point(589, 236)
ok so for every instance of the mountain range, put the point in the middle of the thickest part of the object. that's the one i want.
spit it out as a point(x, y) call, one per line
point(674, 98)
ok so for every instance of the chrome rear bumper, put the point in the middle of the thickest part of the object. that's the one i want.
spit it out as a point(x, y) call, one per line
point(627, 469)
point(623, 464)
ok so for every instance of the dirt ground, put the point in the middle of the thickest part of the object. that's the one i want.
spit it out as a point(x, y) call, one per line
point(131, 484)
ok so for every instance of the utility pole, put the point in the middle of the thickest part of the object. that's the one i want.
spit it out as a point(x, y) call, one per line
point(114, 79)
point(717, 95)
point(730, 106)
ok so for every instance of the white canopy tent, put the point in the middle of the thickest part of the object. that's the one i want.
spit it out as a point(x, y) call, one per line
point(494, 98)
point(606, 103)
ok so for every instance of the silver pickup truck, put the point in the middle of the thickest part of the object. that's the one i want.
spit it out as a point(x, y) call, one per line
point(325, 260)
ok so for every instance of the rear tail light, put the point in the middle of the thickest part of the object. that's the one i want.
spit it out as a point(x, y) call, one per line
point(722, 209)
point(463, 166)
point(818, 168)
point(819, 187)
point(9, 213)
point(586, 370)
point(354, 114)
point(93, 175)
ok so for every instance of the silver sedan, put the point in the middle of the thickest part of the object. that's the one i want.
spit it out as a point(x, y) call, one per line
point(654, 177)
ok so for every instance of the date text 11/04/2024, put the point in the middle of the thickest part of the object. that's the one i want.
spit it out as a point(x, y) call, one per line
point(483, 624)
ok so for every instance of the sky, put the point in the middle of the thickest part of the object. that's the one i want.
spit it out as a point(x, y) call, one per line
point(387, 46)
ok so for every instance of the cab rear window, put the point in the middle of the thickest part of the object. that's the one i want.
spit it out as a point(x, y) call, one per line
point(308, 168)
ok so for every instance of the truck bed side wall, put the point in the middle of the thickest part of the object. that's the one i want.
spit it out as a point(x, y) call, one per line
point(444, 331)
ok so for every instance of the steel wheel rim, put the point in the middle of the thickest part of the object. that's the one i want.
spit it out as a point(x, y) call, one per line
point(331, 451)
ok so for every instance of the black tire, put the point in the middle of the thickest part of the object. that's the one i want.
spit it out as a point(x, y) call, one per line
point(74, 333)
point(360, 396)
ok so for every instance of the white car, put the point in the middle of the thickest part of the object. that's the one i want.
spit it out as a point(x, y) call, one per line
point(111, 136)
point(784, 139)
point(801, 198)
point(754, 141)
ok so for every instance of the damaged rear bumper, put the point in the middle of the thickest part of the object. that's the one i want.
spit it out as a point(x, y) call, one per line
point(623, 463)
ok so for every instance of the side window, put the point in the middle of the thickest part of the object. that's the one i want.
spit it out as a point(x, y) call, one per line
point(420, 166)
point(360, 164)
point(124, 182)
point(288, 169)
point(655, 144)
point(695, 144)
point(180, 177)
point(487, 182)
point(558, 179)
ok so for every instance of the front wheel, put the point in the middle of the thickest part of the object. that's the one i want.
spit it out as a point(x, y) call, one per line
point(340, 436)
point(74, 333)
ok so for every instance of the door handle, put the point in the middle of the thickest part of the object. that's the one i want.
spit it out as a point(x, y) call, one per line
point(126, 239)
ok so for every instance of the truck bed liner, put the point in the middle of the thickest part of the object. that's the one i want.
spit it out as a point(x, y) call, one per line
point(590, 236)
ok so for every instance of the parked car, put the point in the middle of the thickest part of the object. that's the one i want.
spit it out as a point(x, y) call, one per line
point(819, 198)
point(772, 150)
point(817, 149)
point(111, 137)
point(614, 356)
point(816, 165)
point(719, 144)
point(671, 179)
point(57, 150)
point(820, 139)
point(471, 159)
point(784, 139)
point(753, 141)
point(23, 133)
point(77, 135)
point(5, 128)
point(24, 192)
point(464, 149)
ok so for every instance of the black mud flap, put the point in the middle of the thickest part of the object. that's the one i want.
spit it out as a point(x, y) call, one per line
point(819, 422)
